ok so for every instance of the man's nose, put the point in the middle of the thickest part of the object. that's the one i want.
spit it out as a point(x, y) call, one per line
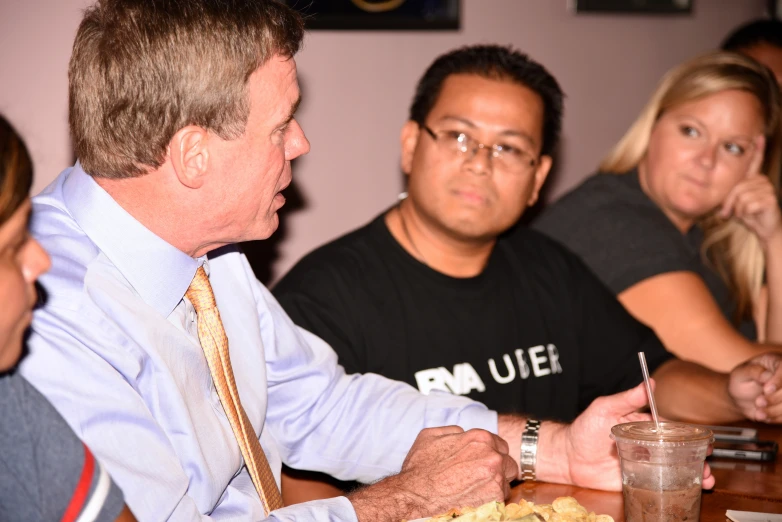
point(479, 159)
point(298, 144)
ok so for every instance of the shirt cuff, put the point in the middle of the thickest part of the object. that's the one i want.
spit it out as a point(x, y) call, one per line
point(337, 509)
point(445, 409)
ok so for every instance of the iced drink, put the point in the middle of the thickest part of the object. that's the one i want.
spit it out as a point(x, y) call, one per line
point(661, 470)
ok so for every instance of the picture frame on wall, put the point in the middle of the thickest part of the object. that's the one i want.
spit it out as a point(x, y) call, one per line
point(634, 6)
point(416, 15)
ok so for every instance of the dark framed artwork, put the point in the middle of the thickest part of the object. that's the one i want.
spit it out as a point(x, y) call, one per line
point(379, 14)
point(634, 6)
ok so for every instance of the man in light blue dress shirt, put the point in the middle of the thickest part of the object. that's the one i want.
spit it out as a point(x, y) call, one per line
point(182, 115)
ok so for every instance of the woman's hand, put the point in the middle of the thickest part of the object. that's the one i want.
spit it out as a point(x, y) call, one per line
point(754, 201)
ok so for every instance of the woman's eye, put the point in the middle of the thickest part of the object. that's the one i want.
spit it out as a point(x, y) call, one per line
point(692, 132)
point(734, 149)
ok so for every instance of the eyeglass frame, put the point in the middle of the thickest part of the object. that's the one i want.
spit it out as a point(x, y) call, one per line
point(493, 149)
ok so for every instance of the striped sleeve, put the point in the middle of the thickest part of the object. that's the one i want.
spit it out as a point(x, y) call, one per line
point(95, 498)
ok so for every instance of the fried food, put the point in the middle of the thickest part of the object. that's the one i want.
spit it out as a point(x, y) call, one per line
point(563, 509)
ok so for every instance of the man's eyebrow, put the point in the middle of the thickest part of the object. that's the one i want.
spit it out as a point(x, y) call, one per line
point(509, 132)
point(520, 134)
point(292, 112)
point(459, 119)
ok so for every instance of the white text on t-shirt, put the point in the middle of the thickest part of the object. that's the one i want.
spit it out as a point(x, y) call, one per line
point(543, 360)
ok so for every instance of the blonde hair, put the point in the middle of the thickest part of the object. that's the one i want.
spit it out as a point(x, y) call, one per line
point(732, 249)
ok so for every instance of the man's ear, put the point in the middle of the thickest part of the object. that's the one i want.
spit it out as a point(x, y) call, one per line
point(540, 175)
point(411, 131)
point(189, 154)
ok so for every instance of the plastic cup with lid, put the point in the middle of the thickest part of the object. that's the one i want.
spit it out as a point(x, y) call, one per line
point(662, 469)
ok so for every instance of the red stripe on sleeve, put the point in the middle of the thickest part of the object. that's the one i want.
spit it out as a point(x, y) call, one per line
point(82, 488)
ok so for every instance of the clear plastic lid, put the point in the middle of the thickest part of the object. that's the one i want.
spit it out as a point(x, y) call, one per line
point(670, 433)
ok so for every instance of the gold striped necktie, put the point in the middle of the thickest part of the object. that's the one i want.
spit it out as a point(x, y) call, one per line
point(214, 342)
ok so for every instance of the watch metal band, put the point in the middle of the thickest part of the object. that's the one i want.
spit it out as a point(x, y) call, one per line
point(529, 449)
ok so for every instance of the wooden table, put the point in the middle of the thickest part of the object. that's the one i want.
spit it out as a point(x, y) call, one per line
point(741, 485)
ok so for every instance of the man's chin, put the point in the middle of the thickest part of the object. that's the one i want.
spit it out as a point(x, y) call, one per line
point(269, 228)
point(475, 236)
point(472, 232)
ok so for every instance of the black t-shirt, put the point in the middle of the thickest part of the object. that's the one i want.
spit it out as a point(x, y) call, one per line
point(536, 332)
point(624, 237)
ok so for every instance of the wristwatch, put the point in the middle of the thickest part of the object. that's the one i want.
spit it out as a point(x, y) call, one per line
point(529, 449)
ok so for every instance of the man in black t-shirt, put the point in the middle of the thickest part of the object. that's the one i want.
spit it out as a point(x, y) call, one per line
point(441, 291)
point(533, 332)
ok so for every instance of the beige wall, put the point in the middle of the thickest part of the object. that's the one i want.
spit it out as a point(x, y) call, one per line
point(358, 85)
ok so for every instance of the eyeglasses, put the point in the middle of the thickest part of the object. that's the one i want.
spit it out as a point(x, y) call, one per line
point(506, 157)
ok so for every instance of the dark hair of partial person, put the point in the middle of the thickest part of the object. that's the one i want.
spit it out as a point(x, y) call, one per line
point(16, 171)
point(756, 32)
point(497, 63)
point(141, 70)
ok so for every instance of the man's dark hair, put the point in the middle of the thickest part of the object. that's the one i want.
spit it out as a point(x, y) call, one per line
point(754, 33)
point(497, 63)
point(143, 69)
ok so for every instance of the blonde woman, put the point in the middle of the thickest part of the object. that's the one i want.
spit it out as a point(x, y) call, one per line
point(682, 221)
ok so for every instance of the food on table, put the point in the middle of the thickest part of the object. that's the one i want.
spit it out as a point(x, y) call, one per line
point(563, 509)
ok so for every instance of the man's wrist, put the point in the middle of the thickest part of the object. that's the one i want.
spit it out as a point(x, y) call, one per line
point(551, 462)
point(385, 500)
point(528, 454)
point(553, 453)
point(510, 428)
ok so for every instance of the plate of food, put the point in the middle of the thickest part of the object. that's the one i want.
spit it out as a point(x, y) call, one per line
point(563, 509)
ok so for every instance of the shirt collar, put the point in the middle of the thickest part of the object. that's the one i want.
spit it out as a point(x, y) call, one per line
point(157, 270)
